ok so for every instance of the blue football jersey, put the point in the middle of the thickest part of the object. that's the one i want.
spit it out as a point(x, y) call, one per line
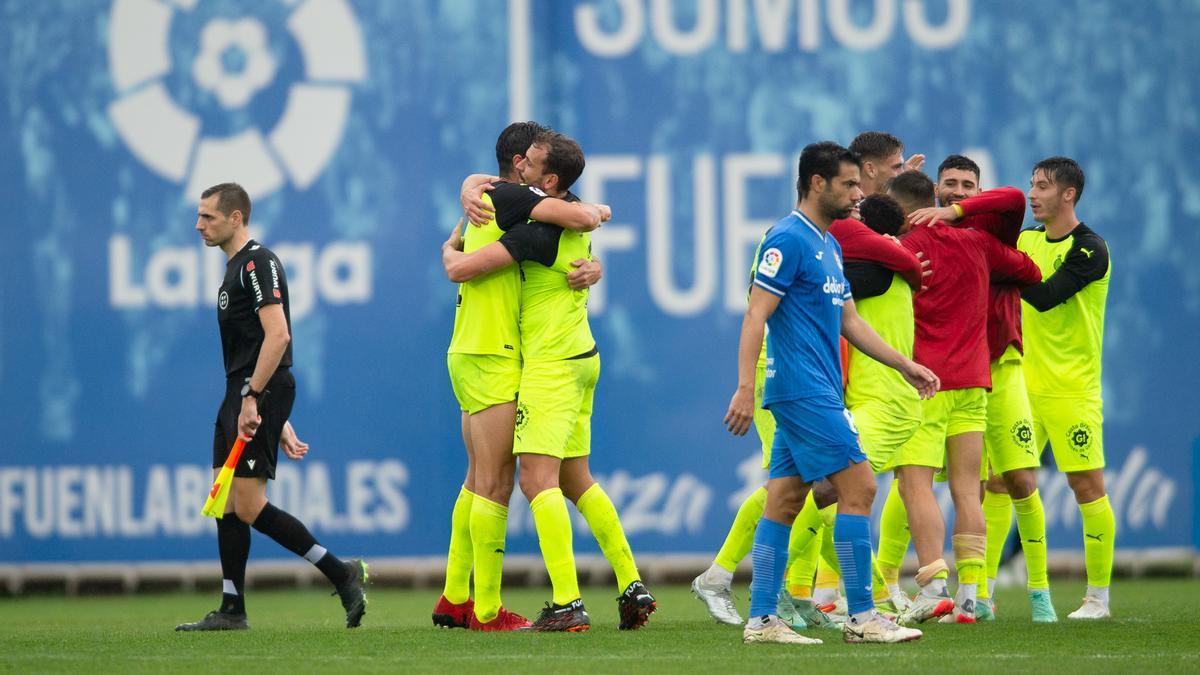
point(804, 268)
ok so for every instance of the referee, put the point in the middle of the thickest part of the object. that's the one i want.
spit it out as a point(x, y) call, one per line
point(255, 322)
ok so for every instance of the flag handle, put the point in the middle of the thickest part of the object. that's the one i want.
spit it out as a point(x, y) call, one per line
point(214, 506)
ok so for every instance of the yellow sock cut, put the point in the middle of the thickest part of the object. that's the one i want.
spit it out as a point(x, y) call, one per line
point(1099, 533)
point(461, 556)
point(802, 570)
point(1031, 525)
point(601, 516)
point(488, 526)
point(894, 536)
point(741, 535)
point(553, 525)
point(998, 516)
point(970, 556)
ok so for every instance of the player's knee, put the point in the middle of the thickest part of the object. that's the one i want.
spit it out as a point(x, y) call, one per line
point(1020, 484)
point(824, 494)
point(534, 483)
point(1088, 486)
point(248, 512)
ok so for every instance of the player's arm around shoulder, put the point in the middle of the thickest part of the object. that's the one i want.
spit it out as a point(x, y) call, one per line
point(860, 334)
point(1087, 261)
point(1008, 264)
point(461, 267)
point(578, 216)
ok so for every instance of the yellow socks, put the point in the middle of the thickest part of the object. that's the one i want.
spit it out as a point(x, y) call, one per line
point(1031, 525)
point(805, 530)
point(461, 557)
point(741, 534)
point(802, 569)
point(893, 536)
point(1099, 531)
point(488, 522)
point(997, 514)
point(601, 516)
point(553, 525)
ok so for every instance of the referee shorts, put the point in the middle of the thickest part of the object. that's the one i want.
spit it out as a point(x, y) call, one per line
point(481, 381)
point(274, 406)
point(554, 410)
point(1008, 441)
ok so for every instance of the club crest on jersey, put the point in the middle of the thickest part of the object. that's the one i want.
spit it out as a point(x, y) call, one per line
point(223, 300)
point(250, 266)
point(772, 258)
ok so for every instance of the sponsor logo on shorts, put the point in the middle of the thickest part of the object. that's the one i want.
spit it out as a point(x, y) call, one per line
point(522, 416)
point(1080, 437)
point(223, 300)
point(1022, 435)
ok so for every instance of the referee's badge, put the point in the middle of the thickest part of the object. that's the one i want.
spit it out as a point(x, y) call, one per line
point(223, 300)
point(772, 258)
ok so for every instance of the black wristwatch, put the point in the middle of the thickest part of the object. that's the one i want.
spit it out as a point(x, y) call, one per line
point(247, 391)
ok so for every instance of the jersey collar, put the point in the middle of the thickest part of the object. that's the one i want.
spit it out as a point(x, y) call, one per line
point(803, 218)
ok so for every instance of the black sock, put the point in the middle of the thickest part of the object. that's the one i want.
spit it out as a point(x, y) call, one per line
point(233, 542)
point(291, 534)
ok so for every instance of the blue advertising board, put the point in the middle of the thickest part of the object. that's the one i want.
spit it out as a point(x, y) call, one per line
point(352, 125)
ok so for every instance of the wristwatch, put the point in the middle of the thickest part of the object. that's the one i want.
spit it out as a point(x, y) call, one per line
point(247, 391)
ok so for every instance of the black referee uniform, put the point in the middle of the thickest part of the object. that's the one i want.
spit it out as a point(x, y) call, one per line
point(254, 278)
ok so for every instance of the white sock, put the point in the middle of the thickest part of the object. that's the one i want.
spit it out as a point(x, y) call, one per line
point(862, 617)
point(824, 596)
point(991, 587)
point(758, 622)
point(894, 589)
point(1099, 593)
point(965, 592)
point(935, 588)
point(716, 575)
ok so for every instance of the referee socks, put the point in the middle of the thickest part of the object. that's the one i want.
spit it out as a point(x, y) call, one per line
point(291, 534)
point(233, 543)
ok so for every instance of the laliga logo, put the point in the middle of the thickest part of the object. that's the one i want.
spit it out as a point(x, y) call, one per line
point(166, 137)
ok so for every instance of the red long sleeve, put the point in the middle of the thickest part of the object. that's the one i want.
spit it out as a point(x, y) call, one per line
point(860, 242)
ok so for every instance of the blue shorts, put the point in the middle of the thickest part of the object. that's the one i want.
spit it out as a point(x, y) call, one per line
point(814, 437)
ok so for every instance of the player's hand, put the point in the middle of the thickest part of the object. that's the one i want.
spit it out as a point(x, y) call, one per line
point(248, 419)
point(915, 162)
point(587, 273)
point(455, 241)
point(605, 212)
point(926, 269)
point(741, 412)
point(931, 214)
point(895, 240)
point(292, 446)
point(471, 197)
point(921, 378)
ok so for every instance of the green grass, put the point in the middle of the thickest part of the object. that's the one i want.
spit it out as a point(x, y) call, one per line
point(1156, 628)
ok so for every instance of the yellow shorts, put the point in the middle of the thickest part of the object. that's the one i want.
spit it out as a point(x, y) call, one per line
point(1008, 439)
point(554, 411)
point(1074, 428)
point(764, 421)
point(949, 413)
point(481, 381)
point(883, 429)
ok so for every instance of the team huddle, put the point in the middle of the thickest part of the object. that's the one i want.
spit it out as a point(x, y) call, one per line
point(895, 323)
point(934, 287)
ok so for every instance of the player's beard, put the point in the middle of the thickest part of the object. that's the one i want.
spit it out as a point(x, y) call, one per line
point(836, 211)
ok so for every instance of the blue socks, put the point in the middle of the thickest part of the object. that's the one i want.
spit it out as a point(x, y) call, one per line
point(769, 556)
point(852, 541)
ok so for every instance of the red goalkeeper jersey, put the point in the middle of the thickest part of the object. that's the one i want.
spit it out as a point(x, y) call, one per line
point(999, 212)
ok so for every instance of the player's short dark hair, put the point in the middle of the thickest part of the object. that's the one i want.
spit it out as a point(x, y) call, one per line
point(876, 145)
point(912, 187)
point(230, 197)
point(515, 140)
point(882, 214)
point(564, 157)
point(822, 159)
point(1064, 171)
point(958, 162)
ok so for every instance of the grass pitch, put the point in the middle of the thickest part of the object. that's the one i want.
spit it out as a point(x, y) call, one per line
point(1155, 629)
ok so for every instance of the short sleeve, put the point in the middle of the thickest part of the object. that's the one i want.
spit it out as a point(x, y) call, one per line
point(262, 275)
point(534, 241)
point(778, 263)
point(514, 203)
